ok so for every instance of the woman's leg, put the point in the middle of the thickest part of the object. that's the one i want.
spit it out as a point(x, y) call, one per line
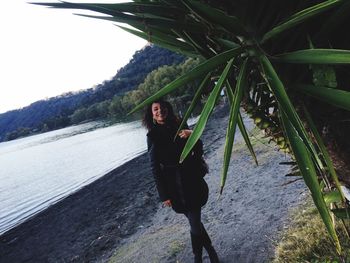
point(194, 218)
point(209, 247)
point(200, 237)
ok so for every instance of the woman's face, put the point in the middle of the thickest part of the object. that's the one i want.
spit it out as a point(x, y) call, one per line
point(160, 113)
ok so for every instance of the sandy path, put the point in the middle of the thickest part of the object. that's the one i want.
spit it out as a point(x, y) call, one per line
point(120, 213)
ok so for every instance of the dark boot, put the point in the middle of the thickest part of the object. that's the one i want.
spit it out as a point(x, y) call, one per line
point(197, 247)
point(213, 256)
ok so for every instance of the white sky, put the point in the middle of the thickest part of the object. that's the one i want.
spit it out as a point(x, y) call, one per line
point(45, 52)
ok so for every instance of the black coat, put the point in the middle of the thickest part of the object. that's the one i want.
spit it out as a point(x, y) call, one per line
point(182, 183)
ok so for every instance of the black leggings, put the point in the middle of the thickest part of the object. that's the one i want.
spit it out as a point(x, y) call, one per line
point(194, 217)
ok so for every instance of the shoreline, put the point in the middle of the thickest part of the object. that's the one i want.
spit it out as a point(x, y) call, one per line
point(120, 214)
point(86, 224)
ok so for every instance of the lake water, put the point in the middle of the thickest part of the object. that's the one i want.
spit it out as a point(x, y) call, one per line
point(38, 171)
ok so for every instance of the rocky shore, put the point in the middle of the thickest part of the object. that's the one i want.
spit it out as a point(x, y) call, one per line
point(118, 218)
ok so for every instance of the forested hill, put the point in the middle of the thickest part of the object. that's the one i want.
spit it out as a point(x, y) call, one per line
point(54, 112)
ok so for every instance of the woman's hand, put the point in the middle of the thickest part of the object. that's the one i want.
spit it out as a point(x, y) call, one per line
point(184, 134)
point(167, 203)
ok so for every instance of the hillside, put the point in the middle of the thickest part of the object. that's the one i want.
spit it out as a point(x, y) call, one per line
point(53, 113)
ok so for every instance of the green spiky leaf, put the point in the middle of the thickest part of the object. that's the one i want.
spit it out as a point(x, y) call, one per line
point(241, 125)
point(204, 68)
point(332, 197)
point(166, 42)
point(231, 129)
point(316, 56)
point(300, 17)
point(335, 97)
point(307, 169)
point(277, 87)
point(324, 152)
point(216, 17)
point(343, 213)
point(194, 101)
point(208, 108)
point(246, 138)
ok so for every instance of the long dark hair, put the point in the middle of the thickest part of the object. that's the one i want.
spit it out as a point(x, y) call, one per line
point(171, 119)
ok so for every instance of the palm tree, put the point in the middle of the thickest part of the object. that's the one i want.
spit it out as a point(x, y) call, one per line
point(284, 62)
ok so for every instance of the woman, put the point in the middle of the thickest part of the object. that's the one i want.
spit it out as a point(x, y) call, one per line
point(180, 186)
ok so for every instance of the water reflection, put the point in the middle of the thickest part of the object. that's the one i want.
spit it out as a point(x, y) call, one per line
point(40, 170)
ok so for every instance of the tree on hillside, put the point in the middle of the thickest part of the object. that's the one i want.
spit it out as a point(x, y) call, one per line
point(78, 116)
point(280, 60)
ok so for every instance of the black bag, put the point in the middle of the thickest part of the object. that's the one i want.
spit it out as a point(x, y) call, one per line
point(199, 164)
point(196, 161)
point(203, 167)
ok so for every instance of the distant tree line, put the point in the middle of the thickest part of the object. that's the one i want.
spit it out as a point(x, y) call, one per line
point(118, 107)
point(101, 101)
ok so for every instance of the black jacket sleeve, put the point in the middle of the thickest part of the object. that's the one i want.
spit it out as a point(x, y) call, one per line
point(156, 170)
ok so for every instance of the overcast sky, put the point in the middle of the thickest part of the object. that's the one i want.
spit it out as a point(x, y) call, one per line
point(45, 52)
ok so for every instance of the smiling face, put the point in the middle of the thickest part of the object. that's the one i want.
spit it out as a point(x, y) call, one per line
point(159, 112)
